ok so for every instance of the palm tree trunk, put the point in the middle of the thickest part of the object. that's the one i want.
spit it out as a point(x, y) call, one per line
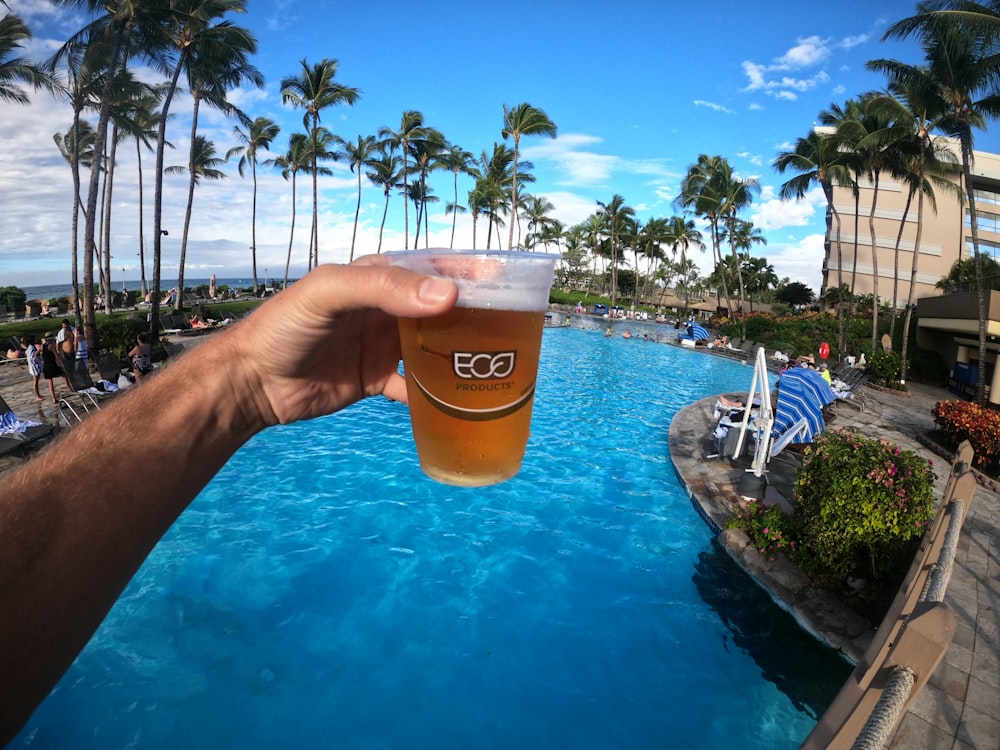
point(192, 179)
point(357, 213)
point(454, 215)
point(109, 181)
point(142, 236)
point(895, 267)
point(75, 223)
point(513, 193)
point(161, 144)
point(871, 229)
point(253, 222)
point(385, 212)
point(966, 141)
point(913, 271)
point(291, 237)
point(90, 222)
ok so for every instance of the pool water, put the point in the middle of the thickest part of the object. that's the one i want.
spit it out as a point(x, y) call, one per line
point(321, 592)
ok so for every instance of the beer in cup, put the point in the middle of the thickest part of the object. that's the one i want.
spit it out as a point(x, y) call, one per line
point(470, 373)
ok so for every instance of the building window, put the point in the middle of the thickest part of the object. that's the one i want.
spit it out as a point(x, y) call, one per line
point(986, 221)
point(985, 247)
point(987, 196)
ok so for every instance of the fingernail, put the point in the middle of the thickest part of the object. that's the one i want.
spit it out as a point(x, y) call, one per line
point(434, 290)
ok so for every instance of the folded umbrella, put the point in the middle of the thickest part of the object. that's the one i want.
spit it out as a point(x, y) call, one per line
point(802, 394)
point(694, 332)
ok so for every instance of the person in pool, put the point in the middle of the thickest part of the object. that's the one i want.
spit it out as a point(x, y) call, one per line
point(67, 549)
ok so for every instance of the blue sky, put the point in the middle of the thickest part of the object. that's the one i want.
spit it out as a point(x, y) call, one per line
point(637, 89)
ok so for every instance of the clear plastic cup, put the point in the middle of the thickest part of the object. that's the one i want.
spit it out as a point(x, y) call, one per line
point(470, 373)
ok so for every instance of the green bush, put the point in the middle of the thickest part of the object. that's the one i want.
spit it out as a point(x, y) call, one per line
point(13, 297)
point(770, 531)
point(859, 503)
point(883, 368)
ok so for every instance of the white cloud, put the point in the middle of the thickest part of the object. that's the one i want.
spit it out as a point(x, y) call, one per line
point(806, 53)
point(799, 261)
point(772, 213)
point(712, 105)
point(754, 159)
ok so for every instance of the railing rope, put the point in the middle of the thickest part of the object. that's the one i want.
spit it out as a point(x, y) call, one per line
point(941, 575)
point(875, 733)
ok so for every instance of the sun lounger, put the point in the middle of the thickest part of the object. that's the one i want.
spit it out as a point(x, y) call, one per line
point(25, 432)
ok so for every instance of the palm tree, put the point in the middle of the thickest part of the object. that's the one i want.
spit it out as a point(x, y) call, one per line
point(199, 41)
point(818, 161)
point(537, 210)
point(211, 72)
point(144, 124)
point(518, 121)
point(914, 95)
point(616, 216)
point(384, 171)
point(124, 29)
point(358, 154)
point(960, 47)
point(202, 165)
point(426, 157)
point(14, 70)
point(296, 159)
point(314, 90)
point(256, 138)
point(411, 129)
point(493, 189)
point(833, 117)
point(81, 82)
point(458, 161)
point(870, 137)
point(703, 193)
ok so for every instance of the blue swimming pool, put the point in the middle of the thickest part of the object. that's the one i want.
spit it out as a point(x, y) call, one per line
point(322, 593)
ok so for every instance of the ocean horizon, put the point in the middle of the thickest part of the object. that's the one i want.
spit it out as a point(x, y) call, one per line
point(54, 291)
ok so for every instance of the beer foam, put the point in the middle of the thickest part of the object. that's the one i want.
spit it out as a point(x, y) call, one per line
point(497, 280)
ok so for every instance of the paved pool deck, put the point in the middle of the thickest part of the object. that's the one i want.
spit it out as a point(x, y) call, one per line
point(959, 709)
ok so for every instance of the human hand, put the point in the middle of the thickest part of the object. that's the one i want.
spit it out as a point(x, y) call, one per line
point(330, 340)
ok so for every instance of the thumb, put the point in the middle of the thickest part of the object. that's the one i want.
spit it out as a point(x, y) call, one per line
point(332, 289)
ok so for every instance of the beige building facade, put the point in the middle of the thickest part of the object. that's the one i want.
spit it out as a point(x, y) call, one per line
point(947, 320)
point(945, 235)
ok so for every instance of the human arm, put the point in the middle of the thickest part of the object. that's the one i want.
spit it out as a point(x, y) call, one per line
point(68, 548)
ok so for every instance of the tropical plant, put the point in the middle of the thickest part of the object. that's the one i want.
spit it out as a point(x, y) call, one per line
point(962, 420)
point(614, 216)
point(411, 129)
point(358, 154)
point(314, 90)
point(818, 161)
point(860, 501)
point(15, 70)
point(384, 171)
point(295, 159)
point(203, 164)
point(959, 41)
point(457, 161)
point(254, 139)
point(518, 121)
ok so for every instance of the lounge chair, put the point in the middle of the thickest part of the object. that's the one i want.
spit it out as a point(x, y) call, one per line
point(109, 365)
point(849, 389)
point(24, 432)
point(780, 442)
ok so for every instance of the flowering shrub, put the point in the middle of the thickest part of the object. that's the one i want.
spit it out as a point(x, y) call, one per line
point(859, 503)
point(770, 531)
point(963, 420)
